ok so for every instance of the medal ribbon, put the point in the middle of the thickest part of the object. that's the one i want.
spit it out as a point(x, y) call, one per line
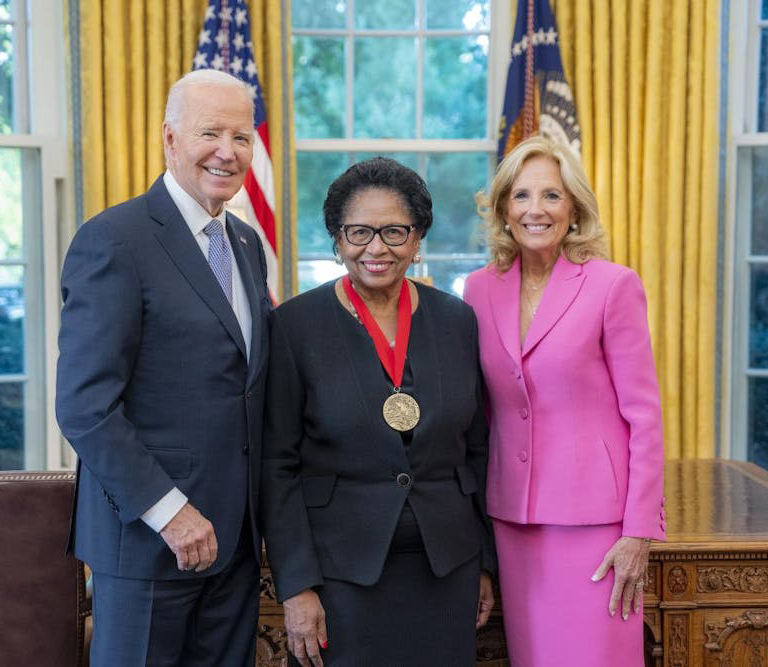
point(392, 360)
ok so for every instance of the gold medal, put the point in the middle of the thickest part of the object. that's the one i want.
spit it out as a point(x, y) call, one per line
point(401, 412)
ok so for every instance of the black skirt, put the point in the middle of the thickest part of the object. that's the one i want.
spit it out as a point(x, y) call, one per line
point(409, 618)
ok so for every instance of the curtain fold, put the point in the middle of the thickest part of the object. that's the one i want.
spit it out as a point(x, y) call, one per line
point(645, 76)
point(131, 53)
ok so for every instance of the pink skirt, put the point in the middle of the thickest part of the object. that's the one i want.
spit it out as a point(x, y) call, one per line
point(554, 614)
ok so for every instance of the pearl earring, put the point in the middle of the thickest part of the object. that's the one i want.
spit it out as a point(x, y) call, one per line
point(506, 228)
point(574, 227)
point(417, 258)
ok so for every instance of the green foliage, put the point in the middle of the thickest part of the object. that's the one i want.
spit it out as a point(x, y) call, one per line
point(6, 78)
point(318, 87)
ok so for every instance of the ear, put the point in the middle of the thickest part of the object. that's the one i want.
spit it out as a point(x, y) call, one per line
point(169, 140)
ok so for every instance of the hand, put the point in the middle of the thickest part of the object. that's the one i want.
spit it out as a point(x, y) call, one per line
point(485, 602)
point(305, 625)
point(629, 559)
point(191, 537)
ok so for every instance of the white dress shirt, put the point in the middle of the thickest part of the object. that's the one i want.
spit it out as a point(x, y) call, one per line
point(196, 217)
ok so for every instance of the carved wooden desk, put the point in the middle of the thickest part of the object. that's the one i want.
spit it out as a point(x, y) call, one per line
point(706, 598)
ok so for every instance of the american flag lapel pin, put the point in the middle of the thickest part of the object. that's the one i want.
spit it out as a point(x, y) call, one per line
point(242, 240)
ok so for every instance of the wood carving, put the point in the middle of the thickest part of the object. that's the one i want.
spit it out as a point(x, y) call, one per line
point(738, 579)
point(717, 635)
point(650, 581)
point(677, 581)
point(678, 640)
point(271, 647)
point(267, 587)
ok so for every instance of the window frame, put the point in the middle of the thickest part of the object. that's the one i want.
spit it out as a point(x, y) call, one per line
point(745, 27)
point(40, 91)
point(500, 34)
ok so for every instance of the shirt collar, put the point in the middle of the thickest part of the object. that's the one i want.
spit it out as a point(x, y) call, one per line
point(193, 213)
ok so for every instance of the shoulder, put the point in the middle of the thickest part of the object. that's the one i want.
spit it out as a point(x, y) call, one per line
point(114, 225)
point(309, 302)
point(444, 306)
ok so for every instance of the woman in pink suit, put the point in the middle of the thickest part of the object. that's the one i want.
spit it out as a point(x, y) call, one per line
point(575, 469)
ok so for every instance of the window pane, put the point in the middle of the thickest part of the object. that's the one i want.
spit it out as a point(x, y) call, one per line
point(385, 87)
point(6, 79)
point(318, 87)
point(758, 317)
point(11, 319)
point(315, 172)
point(389, 15)
point(449, 275)
point(457, 14)
point(759, 203)
point(11, 426)
point(6, 7)
point(410, 160)
point(11, 222)
point(318, 13)
point(762, 98)
point(316, 272)
point(757, 439)
point(453, 180)
point(765, 9)
point(455, 71)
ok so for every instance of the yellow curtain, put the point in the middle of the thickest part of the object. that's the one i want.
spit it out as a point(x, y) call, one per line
point(131, 53)
point(645, 76)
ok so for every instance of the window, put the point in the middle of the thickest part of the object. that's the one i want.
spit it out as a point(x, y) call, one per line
point(407, 79)
point(33, 162)
point(748, 217)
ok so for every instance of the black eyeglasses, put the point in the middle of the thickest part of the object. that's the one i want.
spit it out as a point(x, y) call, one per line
point(392, 235)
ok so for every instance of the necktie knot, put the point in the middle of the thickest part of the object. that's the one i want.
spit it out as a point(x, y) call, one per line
point(214, 228)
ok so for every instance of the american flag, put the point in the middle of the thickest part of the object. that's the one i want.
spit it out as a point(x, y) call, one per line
point(225, 44)
point(537, 97)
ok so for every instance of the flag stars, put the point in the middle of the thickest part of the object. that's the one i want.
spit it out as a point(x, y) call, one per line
point(236, 66)
point(225, 14)
point(251, 90)
point(240, 16)
point(204, 38)
point(250, 68)
point(238, 42)
point(209, 13)
point(222, 38)
point(217, 62)
point(201, 61)
point(551, 37)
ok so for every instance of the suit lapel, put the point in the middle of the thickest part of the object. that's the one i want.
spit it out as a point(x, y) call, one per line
point(504, 296)
point(427, 380)
point(175, 237)
point(242, 251)
point(370, 385)
point(563, 286)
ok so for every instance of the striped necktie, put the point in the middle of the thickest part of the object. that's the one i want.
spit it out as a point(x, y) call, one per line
point(218, 256)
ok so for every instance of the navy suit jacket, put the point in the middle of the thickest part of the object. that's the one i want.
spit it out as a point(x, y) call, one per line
point(153, 386)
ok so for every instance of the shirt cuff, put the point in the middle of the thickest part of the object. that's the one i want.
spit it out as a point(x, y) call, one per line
point(158, 516)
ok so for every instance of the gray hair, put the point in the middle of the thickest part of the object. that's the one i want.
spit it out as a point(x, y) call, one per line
point(208, 77)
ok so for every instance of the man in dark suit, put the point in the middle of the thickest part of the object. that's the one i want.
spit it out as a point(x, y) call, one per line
point(160, 390)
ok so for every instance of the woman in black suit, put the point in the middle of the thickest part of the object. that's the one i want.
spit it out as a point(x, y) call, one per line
point(373, 486)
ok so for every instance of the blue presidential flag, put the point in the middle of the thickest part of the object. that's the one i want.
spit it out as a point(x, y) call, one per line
point(537, 98)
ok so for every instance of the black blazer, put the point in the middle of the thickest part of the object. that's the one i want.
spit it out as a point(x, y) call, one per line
point(153, 388)
point(332, 489)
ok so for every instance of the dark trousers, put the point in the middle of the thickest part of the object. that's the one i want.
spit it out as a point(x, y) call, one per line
point(200, 622)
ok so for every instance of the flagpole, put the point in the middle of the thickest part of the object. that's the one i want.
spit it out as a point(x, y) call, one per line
point(528, 109)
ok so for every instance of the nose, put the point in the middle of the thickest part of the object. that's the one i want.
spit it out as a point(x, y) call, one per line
point(376, 246)
point(535, 208)
point(225, 149)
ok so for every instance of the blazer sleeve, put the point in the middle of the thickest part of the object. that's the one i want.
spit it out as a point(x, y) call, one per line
point(477, 460)
point(627, 347)
point(99, 338)
point(287, 534)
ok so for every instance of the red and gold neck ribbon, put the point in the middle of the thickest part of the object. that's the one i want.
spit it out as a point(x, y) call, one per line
point(392, 360)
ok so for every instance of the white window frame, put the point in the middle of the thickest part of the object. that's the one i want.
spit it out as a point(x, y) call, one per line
point(741, 135)
point(40, 94)
point(498, 62)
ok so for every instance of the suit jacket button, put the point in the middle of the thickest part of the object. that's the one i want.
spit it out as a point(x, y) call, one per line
point(523, 456)
point(403, 479)
point(248, 396)
point(524, 413)
point(245, 450)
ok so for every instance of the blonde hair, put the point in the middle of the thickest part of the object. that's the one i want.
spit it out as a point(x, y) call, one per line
point(578, 246)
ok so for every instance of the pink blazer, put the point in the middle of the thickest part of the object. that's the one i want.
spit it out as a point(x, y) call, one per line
point(576, 431)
